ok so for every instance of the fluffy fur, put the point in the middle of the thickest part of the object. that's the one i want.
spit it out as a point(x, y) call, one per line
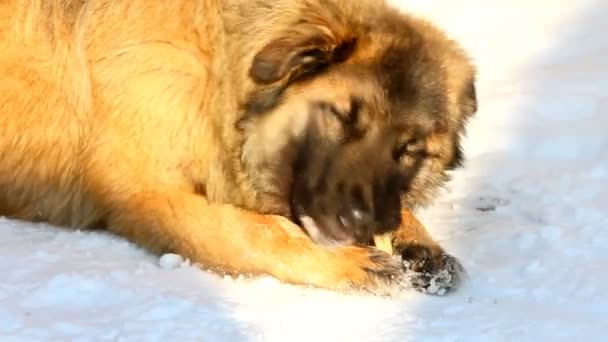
point(207, 127)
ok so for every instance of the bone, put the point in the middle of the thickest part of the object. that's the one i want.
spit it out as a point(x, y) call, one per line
point(383, 242)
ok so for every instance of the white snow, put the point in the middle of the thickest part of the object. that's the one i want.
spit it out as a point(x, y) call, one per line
point(170, 260)
point(527, 216)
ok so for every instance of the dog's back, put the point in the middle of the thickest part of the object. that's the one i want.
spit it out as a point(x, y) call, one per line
point(64, 67)
point(44, 101)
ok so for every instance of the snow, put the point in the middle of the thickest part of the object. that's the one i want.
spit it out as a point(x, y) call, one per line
point(170, 261)
point(526, 216)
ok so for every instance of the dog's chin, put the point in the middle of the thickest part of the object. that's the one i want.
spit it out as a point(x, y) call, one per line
point(326, 232)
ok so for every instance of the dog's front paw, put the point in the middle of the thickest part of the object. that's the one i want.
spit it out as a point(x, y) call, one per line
point(370, 270)
point(430, 270)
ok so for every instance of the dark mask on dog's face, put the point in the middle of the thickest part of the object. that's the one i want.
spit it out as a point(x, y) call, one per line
point(344, 131)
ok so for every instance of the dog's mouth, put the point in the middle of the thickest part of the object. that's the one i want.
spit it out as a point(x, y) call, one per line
point(327, 231)
point(346, 220)
point(342, 223)
point(322, 226)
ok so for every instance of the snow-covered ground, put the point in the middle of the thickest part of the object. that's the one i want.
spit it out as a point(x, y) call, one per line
point(527, 216)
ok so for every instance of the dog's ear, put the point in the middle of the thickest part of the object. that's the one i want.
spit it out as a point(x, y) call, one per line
point(469, 99)
point(300, 51)
point(468, 108)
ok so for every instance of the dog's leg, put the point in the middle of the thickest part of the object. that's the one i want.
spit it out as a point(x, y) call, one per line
point(229, 240)
point(431, 269)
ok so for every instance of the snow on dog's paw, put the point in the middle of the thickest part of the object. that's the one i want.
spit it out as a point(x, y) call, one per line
point(432, 273)
point(440, 281)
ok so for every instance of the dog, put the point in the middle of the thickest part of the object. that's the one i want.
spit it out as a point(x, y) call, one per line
point(253, 137)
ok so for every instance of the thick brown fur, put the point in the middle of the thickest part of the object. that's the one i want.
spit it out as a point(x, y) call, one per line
point(208, 127)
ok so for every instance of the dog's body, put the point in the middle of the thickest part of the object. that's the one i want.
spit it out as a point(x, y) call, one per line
point(199, 126)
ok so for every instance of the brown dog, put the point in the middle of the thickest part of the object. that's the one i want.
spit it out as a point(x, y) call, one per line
point(207, 127)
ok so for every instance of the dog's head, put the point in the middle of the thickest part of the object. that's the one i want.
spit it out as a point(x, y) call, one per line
point(355, 117)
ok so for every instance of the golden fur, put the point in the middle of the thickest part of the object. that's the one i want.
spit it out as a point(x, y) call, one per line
point(161, 121)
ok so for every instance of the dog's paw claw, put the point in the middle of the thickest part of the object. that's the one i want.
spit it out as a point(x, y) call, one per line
point(437, 274)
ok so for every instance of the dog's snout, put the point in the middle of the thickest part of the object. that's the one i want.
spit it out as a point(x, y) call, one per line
point(380, 211)
point(360, 196)
point(357, 220)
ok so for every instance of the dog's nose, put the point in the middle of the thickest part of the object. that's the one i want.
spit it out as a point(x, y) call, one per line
point(357, 217)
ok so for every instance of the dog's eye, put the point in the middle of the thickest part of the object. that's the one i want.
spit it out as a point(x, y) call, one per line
point(413, 147)
point(348, 115)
